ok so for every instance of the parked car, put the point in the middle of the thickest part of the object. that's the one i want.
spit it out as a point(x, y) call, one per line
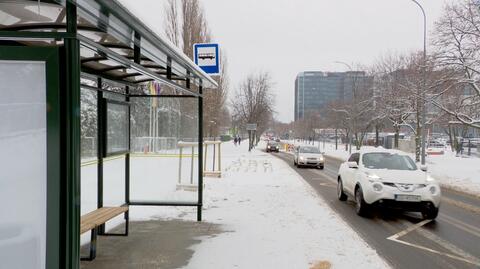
point(308, 156)
point(273, 146)
point(388, 178)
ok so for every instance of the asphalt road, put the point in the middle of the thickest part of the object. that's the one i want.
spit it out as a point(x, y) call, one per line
point(404, 239)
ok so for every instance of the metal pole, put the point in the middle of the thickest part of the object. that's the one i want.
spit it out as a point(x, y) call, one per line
point(214, 149)
point(219, 157)
point(336, 139)
point(424, 108)
point(180, 166)
point(200, 153)
point(71, 143)
point(191, 165)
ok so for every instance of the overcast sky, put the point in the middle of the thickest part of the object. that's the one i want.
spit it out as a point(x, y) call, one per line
point(285, 37)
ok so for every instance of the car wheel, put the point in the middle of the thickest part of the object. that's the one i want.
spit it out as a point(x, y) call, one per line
point(430, 213)
point(341, 195)
point(320, 167)
point(361, 205)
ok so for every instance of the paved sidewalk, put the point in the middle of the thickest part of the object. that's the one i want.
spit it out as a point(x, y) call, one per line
point(150, 245)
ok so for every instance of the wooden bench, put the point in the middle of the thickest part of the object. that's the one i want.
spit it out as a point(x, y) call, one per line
point(92, 221)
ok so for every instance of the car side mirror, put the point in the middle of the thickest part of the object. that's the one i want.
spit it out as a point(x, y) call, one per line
point(352, 165)
point(423, 168)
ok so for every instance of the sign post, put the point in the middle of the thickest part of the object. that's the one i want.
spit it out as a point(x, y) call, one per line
point(251, 128)
point(207, 57)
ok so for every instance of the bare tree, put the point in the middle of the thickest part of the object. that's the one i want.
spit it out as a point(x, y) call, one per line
point(457, 43)
point(254, 101)
point(172, 24)
point(393, 100)
point(358, 107)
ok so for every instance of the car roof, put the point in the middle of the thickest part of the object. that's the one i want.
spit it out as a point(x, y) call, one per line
point(307, 147)
point(369, 149)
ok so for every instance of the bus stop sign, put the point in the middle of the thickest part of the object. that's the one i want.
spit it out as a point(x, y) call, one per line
point(206, 56)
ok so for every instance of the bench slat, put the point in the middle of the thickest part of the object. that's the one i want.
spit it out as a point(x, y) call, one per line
point(99, 216)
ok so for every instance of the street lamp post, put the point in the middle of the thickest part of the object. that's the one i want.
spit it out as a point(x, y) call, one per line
point(353, 93)
point(424, 108)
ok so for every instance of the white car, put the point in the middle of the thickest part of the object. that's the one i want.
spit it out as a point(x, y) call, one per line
point(308, 156)
point(388, 178)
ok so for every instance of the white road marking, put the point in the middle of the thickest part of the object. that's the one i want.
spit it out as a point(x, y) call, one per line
point(417, 226)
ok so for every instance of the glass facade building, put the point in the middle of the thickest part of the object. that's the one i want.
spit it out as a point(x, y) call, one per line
point(314, 90)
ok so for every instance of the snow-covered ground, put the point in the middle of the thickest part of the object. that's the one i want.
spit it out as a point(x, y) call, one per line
point(456, 172)
point(271, 217)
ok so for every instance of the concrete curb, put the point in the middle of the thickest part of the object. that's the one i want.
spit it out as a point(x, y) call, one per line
point(460, 190)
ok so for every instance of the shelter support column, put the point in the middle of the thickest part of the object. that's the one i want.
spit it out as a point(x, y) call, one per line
point(71, 141)
point(200, 154)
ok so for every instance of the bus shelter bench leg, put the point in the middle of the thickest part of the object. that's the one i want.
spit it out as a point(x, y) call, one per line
point(125, 233)
point(93, 246)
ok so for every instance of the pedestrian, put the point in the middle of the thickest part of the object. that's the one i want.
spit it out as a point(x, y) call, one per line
point(239, 140)
point(235, 141)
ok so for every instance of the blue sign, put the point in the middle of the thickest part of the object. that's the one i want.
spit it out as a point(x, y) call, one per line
point(207, 56)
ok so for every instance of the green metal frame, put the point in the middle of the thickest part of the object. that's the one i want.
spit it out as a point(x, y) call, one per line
point(55, 187)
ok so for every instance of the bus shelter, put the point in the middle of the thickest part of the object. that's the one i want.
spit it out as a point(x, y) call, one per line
point(87, 94)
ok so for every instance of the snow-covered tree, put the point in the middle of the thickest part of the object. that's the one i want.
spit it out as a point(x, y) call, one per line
point(457, 44)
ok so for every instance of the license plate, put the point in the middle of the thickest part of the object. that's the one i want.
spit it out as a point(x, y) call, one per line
point(408, 198)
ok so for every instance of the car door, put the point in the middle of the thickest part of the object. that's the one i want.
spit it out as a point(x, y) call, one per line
point(351, 173)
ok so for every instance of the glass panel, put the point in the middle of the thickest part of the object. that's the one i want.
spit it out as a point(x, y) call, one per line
point(23, 155)
point(89, 134)
point(159, 127)
point(117, 128)
point(114, 181)
point(29, 12)
point(89, 119)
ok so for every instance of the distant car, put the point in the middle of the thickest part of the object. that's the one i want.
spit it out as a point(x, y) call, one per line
point(308, 156)
point(388, 178)
point(273, 146)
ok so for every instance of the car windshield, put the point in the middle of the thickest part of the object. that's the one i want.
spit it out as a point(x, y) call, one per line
point(309, 150)
point(272, 143)
point(385, 160)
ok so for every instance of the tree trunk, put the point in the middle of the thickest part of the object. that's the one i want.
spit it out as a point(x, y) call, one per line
point(347, 141)
point(418, 133)
point(358, 143)
point(450, 137)
point(397, 137)
point(377, 134)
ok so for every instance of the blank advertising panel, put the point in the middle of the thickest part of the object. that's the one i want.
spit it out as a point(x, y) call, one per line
point(23, 158)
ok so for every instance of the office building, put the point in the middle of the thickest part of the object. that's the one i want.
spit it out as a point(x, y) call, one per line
point(315, 90)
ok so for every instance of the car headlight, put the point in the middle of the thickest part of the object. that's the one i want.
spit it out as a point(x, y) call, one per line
point(372, 177)
point(378, 187)
point(320, 159)
point(268, 146)
point(301, 158)
point(430, 178)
